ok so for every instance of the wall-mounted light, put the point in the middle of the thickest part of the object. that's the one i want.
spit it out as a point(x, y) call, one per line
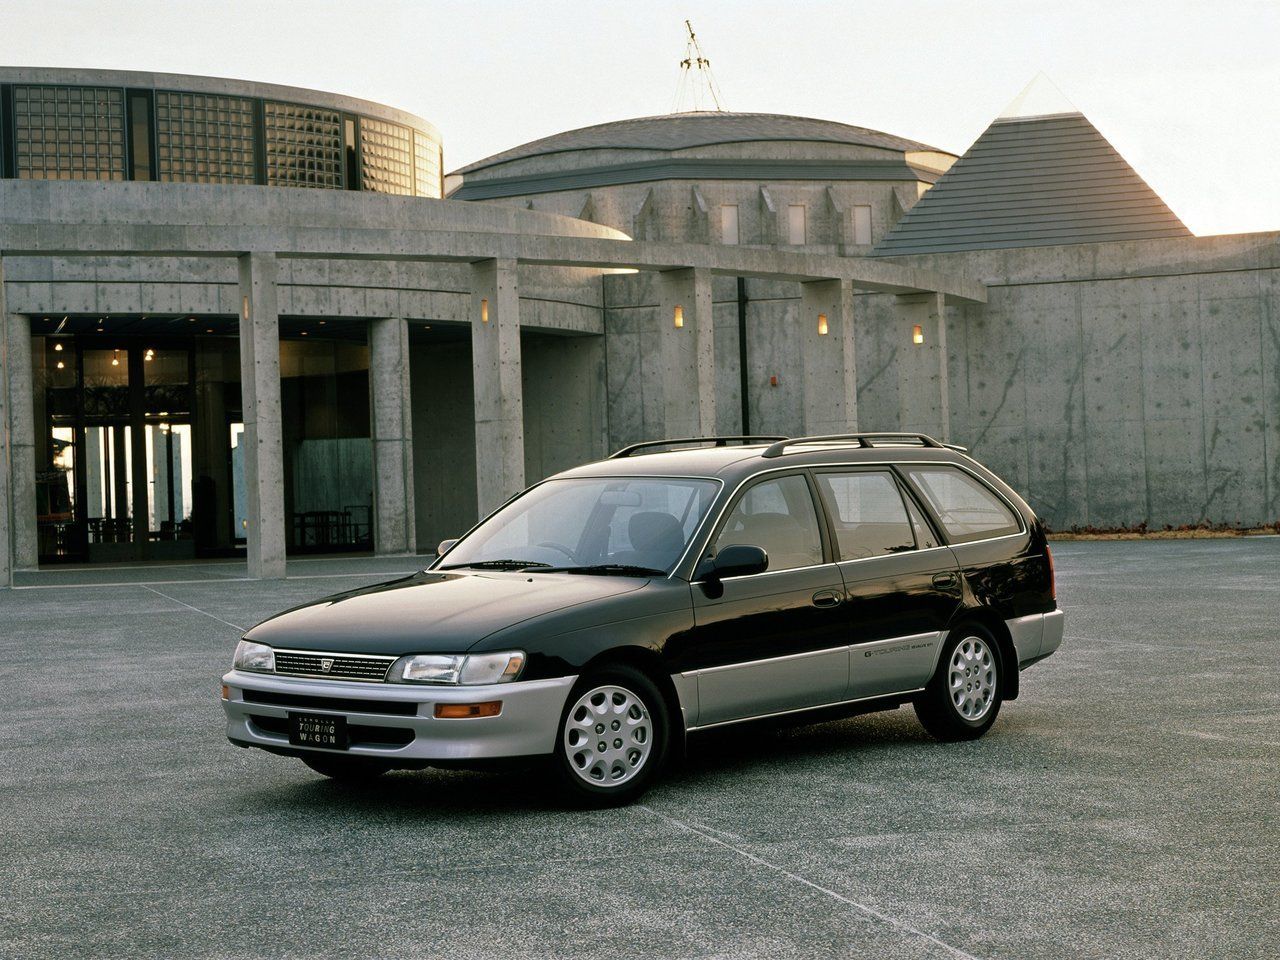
point(917, 334)
point(678, 315)
point(822, 324)
point(484, 310)
point(244, 308)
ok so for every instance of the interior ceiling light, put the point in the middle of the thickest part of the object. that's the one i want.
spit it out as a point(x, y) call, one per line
point(115, 361)
point(57, 347)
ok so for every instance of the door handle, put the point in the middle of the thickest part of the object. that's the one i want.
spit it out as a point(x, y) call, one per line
point(826, 598)
point(945, 581)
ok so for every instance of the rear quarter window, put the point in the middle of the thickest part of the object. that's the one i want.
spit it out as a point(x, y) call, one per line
point(967, 509)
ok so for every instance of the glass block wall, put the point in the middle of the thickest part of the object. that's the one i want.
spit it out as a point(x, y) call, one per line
point(386, 156)
point(202, 138)
point(68, 133)
point(426, 165)
point(303, 146)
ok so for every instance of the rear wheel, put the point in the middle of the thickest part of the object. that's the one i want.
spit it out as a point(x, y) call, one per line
point(347, 769)
point(963, 698)
point(613, 736)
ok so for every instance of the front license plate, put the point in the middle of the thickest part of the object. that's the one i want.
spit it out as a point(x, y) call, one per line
point(311, 730)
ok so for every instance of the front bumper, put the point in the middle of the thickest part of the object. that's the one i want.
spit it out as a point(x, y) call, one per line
point(526, 726)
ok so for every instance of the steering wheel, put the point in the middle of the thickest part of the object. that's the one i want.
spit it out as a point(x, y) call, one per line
point(559, 547)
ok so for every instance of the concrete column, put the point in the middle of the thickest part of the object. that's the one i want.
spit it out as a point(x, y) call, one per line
point(496, 373)
point(22, 442)
point(263, 427)
point(688, 353)
point(391, 426)
point(6, 449)
point(924, 403)
point(829, 357)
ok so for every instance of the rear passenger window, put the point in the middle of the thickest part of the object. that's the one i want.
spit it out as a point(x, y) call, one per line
point(869, 515)
point(965, 507)
point(778, 516)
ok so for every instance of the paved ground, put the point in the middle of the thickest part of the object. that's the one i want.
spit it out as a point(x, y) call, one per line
point(1126, 806)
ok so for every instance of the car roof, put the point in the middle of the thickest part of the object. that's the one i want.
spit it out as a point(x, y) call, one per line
point(734, 463)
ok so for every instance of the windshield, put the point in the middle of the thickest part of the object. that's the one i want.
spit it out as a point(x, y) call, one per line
point(636, 525)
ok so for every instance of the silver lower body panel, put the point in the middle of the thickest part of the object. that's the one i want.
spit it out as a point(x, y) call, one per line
point(1036, 636)
point(526, 726)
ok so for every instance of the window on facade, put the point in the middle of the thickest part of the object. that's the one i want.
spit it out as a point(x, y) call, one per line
point(140, 136)
point(965, 507)
point(778, 516)
point(204, 138)
point(795, 224)
point(304, 146)
point(386, 156)
point(862, 225)
point(69, 133)
point(426, 166)
point(729, 223)
point(869, 514)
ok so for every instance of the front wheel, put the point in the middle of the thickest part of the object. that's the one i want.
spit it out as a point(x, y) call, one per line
point(963, 698)
point(613, 736)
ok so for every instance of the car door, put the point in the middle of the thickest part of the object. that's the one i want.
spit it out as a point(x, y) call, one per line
point(901, 584)
point(773, 641)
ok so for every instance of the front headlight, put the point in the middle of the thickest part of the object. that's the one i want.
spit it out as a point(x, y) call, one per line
point(254, 656)
point(474, 670)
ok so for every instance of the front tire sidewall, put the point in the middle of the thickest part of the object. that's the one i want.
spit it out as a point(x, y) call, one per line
point(639, 684)
point(935, 708)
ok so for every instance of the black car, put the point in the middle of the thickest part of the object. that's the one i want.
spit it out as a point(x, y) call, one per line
point(605, 613)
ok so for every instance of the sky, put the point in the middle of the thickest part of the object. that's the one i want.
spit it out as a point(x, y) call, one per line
point(1186, 90)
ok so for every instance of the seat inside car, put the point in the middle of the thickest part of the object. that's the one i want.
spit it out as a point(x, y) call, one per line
point(656, 539)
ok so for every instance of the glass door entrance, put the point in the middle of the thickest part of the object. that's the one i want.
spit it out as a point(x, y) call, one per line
point(118, 453)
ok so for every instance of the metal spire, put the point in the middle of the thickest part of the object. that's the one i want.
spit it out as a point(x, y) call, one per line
point(696, 82)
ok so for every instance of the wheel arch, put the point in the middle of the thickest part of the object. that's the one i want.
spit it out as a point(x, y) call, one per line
point(991, 621)
point(648, 662)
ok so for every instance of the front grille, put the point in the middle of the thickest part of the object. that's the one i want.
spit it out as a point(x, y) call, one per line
point(300, 663)
point(401, 708)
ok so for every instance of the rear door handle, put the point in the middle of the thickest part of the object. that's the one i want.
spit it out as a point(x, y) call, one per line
point(826, 598)
point(945, 581)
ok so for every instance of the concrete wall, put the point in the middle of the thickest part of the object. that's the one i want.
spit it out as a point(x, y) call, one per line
point(444, 448)
point(1112, 384)
point(564, 408)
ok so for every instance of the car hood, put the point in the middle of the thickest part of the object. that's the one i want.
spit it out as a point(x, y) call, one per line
point(432, 612)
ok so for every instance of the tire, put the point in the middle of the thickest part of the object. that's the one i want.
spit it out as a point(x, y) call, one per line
point(960, 705)
point(622, 709)
point(346, 769)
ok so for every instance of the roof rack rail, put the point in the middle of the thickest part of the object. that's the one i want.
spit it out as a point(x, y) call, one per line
point(716, 441)
point(862, 440)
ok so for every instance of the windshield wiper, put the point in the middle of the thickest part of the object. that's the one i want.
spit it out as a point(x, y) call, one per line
point(609, 570)
point(496, 565)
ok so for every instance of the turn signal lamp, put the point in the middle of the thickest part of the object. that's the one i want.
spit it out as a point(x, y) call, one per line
point(465, 711)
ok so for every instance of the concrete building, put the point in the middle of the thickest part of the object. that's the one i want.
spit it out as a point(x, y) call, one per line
point(200, 357)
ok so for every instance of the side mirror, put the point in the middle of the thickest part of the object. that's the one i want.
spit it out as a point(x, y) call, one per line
point(739, 560)
point(445, 547)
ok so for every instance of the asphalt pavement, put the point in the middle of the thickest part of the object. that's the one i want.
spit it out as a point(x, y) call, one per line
point(1124, 807)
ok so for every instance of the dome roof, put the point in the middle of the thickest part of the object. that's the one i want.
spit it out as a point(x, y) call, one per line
point(679, 131)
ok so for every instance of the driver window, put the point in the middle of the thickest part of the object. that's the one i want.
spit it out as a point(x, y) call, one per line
point(779, 516)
